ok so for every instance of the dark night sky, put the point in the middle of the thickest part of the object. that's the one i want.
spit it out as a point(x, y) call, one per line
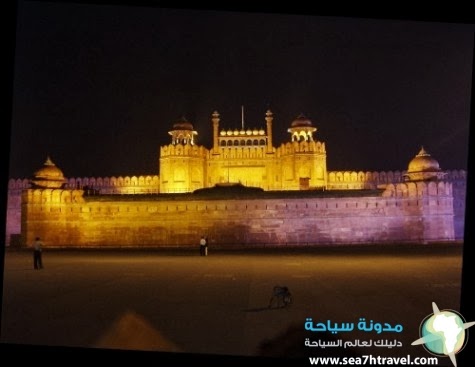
point(98, 87)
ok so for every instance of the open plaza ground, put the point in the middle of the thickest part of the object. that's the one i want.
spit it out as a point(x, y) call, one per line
point(173, 300)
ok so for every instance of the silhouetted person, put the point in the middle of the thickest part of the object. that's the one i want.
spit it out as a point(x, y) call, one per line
point(203, 246)
point(37, 254)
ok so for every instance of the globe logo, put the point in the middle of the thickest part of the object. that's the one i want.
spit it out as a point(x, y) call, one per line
point(446, 328)
point(443, 333)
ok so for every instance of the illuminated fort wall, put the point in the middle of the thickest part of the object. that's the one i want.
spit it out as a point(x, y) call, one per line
point(239, 155)
point(149, 185)
point(244, 156)
point(185, 168)
point(405, 212)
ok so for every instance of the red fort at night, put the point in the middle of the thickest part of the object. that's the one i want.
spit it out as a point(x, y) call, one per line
point(242, 191)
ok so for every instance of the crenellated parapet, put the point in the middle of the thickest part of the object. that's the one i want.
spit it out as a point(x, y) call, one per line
point(52, 196)
point(184, 151)
point(149, 184)
point(419, 189)
point(373, 179)
point(352, 180)
point(456, 175)
point(18, 184)
point(241, 152)
point(298, 147)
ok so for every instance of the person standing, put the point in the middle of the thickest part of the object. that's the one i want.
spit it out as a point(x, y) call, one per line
point(202, 246)
point(37, 254)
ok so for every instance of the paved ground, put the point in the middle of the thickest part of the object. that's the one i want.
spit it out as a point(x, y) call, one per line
point(170, 300)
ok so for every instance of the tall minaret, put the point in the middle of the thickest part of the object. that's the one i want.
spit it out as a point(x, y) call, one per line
point(269, 119)
point(215, 119)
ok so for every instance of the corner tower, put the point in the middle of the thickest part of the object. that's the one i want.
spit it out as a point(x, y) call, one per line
point(303, 159)
point(183, 132)
point(182, 162)
point(423, 167)
point(302, 129)
point(48, 177)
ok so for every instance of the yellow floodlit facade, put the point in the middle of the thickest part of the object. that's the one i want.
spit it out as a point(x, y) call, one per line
point(419, 204)
point(245, 156)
